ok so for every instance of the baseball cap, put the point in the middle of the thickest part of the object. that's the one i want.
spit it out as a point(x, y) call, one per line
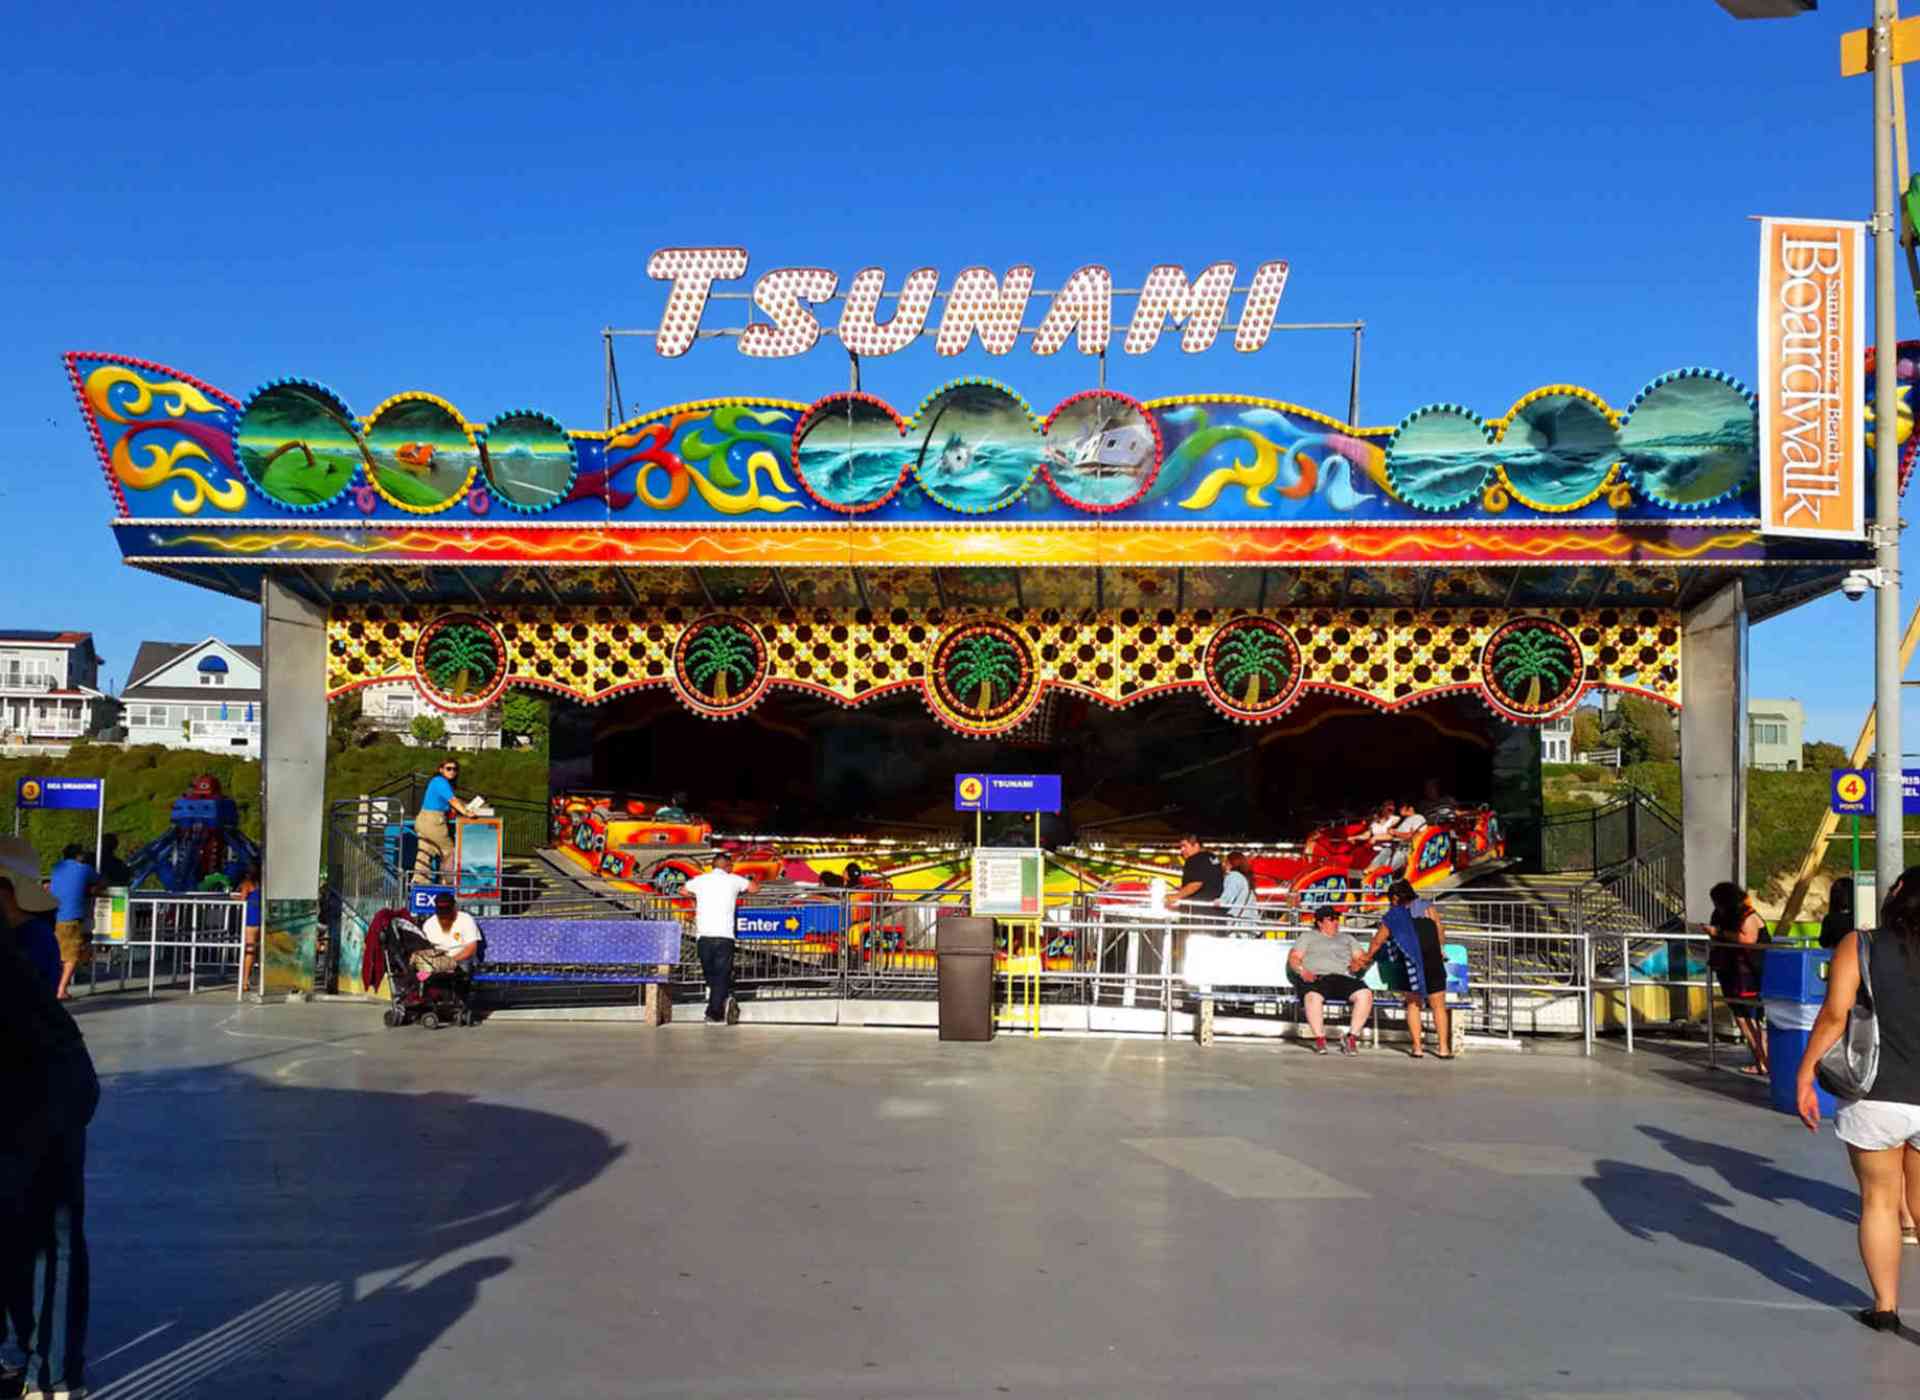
point(20, 864)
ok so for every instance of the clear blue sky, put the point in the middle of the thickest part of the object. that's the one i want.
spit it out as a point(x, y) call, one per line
point(456, 198)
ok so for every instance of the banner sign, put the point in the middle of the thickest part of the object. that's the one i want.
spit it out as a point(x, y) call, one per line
point(1850, 792)
point(59, 794)
point(1006, 792)
point(1007, 882)
point(1813, 276)
point(980, 301)
point(420, 899)
point(785, 925)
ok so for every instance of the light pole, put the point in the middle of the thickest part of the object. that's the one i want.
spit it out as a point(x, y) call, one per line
point(1888, 800)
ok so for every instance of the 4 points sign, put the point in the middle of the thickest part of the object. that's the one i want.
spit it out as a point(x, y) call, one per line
point(1850, 791)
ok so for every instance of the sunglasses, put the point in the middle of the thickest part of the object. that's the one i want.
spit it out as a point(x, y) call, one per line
point(449, 769)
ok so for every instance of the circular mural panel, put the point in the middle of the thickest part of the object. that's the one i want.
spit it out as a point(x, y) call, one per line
point(1690, 440)
point(1102, 451)
point(720, 666)
point(980, 679)
point(974, 447)
point(423, 456)
point(1252, 669)
point(1532, 669)
point(851, 452)
point(530, 462)
point(1440, 458)
point(1556, 451)
point(460, 663)
point(298, 444)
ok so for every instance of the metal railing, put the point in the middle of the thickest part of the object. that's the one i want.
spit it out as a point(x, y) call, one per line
point(171, 940)
point(1633, 827)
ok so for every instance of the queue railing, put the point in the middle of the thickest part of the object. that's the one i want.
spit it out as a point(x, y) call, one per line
point(169, 940)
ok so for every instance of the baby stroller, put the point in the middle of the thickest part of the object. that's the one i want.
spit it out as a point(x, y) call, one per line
point(443, 999)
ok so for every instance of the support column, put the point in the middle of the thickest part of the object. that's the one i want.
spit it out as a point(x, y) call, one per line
point(1713, 745)
point(1516, 790)
point(293, 784)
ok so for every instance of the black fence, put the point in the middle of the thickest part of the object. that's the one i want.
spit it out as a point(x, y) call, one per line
point(1636, 827)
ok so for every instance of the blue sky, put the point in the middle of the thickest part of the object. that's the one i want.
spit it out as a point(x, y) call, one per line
point(457, 199)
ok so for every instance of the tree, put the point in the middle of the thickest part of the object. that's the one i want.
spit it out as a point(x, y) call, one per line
point(1536, 658)
point(429, 731)
point(1252, 655)
point(1642, 730)
point(1586, 729)
point(722, 653)
point(985, 664)
point(526, 715)
point(1821, 757)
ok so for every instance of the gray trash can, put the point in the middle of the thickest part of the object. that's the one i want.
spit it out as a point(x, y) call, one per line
point(963, 956)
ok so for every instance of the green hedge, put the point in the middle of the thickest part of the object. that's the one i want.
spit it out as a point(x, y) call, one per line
point(143, 781)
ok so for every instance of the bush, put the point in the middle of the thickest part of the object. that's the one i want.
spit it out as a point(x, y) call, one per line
point(428, 730)
point(143, 781)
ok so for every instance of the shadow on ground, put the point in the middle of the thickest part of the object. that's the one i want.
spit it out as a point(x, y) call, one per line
point(295, 1241)
point(1648, 1204)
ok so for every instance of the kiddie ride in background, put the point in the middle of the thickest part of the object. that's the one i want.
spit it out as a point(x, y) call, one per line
point(1342, 864)
point(657, 846)
point(203, 848)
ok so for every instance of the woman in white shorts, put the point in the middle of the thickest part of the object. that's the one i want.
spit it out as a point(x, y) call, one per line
point(1882, 1129)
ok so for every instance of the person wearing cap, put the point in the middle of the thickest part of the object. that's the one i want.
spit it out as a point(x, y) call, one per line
point(48, 1094)
point(1321, 968)
point(454, 935)
point(433, 838)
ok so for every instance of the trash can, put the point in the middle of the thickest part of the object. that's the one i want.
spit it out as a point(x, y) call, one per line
point(1793, 984)
point(963, 957)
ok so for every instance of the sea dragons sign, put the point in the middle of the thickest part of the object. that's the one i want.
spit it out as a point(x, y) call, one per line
point(1812, 345)
point(979, 301)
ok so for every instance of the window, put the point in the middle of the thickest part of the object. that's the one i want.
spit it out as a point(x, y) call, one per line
point(1769, 731)
point(213, 678)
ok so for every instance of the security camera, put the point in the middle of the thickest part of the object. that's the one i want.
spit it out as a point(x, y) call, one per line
point(1859, 583)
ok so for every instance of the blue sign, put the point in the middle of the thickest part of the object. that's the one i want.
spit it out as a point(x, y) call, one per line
point(421, 897)
point(1006, 792)
point(1850, 792)
point(59, 794)
point(788, 924)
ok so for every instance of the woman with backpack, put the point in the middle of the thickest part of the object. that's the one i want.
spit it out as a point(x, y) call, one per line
point(1733, 925)
point(1881, 1128)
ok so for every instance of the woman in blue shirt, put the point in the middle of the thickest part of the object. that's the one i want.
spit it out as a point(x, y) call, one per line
point(1411, 928)
point(433, 838)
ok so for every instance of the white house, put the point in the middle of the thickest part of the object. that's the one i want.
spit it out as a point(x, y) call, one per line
point(391, 708)
point(195, 695)
point(1556, 740)
point(50, 687)
point(1776, 728)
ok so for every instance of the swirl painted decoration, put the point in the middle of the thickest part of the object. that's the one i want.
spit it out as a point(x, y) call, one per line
point(973, 452)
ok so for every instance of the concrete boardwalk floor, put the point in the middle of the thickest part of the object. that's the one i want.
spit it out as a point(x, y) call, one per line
point(294, 1201)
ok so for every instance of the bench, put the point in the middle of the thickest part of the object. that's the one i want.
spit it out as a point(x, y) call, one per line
point(567, 962)
point(1259, 965)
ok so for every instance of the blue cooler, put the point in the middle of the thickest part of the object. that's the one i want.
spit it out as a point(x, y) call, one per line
point(1793, 984)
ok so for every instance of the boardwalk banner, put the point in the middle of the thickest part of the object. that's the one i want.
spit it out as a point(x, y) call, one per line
point(1812, 347)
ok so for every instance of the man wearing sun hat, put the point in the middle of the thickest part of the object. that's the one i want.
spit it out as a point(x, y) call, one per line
point(48, 1092)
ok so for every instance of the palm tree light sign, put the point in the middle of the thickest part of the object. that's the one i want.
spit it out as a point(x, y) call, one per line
point(1253, 661)
point(987, 665)
point(461, 660)
point(720, 659)
point(1536, 658)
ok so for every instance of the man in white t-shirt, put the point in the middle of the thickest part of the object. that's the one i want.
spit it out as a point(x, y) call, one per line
point(715, 896)
point(454, 935)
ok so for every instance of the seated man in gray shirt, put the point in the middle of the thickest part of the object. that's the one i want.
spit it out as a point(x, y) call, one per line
point(1320, 968)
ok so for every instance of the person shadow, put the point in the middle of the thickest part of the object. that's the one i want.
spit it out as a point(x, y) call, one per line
point(1648, 1203)
point(293, 1241)
point(1753, 1175)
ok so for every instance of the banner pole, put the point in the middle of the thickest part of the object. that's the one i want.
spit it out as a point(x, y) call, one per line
point(1890, 827)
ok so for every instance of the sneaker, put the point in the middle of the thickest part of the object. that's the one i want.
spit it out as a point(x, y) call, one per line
point(1885, 1321)
point(1349, 1046)
point(1320, 1045)
point(715, 1020)
point(733, 1011)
